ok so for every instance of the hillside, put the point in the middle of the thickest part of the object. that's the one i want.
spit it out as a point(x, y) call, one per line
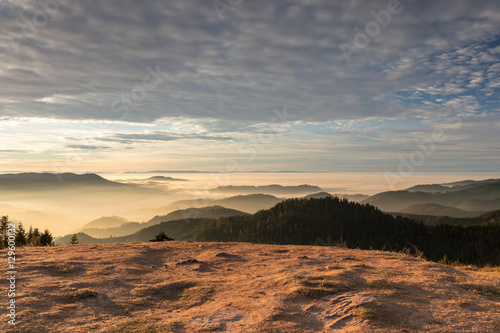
point(430, 188)
point(437, 210)
point(167, 179)
point(310, 221)
point(246, 203)
point(124, 229)
point(318, 195)
point(211, 212)
point(333, 221)
point(33, 181)
point(463, 221)
point(178, 229)
point(104, 222)
point(393, 201)
point(82, 239)
point(449, 187)
point(240, 287)
point(353, 197)
point(480, 205)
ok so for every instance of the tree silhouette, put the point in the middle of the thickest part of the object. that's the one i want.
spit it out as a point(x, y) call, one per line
point(74, 240)
point(20, 235)
point(161, 237)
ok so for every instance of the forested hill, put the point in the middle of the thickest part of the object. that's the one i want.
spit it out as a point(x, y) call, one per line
point(329, 221)
point(310, 221)
point(491, 216)
point(334, 221)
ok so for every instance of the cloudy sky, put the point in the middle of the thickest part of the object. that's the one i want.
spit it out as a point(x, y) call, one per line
point(311, 85)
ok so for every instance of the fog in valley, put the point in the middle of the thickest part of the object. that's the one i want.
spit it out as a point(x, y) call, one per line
point(64, 203)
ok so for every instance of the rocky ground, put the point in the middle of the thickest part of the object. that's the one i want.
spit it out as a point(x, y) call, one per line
point(240, 287)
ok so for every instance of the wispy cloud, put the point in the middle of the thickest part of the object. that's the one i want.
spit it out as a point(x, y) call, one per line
point(221, 79)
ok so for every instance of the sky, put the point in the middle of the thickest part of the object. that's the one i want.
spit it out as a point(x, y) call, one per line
point(239, 85)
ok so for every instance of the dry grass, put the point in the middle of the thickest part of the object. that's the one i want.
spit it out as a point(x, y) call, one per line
point(69, 269)
point(323, 285)
point(168, 292)
point(80, 294)
point(138, 326)
point(248, 288)
point(178, 295)
point(481, 289)
point(381, 284)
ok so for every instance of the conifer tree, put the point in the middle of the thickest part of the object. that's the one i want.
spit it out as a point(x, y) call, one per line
point(74, 240)
point(20, 235)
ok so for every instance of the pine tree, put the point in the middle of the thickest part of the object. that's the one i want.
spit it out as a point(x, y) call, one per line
point(161, 237)
point(4, 221)
point(34, 240)
point(74, 240)
point(29, 236)
point(20, 235)
point(46, 238)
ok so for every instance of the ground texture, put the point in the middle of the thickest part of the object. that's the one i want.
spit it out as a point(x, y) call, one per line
point(240, 287)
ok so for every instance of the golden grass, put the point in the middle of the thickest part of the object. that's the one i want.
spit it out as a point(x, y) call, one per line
point(177, 295)
point(479, 289)
point(139, 326)
point(81, 294)
point(381, 284)
point(115, 288)
point(323, 285)
point(64, 269)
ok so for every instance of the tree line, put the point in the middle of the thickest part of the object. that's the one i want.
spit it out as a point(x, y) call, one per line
point(314, 221)
point(32, 237)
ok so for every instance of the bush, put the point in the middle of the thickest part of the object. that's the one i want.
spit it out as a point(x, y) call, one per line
point(161, 237)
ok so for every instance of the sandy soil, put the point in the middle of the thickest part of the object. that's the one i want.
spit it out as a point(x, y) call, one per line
point(238, 287)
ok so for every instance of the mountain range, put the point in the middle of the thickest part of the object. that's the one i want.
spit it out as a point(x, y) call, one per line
point(117, 227)
point(48, 181)
point(487, 192)
point(79, 194)
point(310, 221)
point(245, 203)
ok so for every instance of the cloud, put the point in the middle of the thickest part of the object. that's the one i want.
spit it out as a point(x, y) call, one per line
point(170, 79)
point(159, 136)
point(87, 147)
point(82, 60)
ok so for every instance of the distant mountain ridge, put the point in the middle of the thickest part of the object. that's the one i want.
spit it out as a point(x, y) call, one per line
point(450, 187)
point(393, 201)
point(493, 216)
point(170, 179)
point(318, 195)
point(246, 203)
point(211, 212)
point(480, 205)
point(115, 226)
point(104, 222)
point(47, 181)
point(437, 210)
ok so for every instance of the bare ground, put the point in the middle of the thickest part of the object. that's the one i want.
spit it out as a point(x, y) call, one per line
point(240, 287)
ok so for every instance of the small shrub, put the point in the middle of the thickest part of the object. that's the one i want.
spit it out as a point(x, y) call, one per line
point(161, 237)
point(446, 261)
